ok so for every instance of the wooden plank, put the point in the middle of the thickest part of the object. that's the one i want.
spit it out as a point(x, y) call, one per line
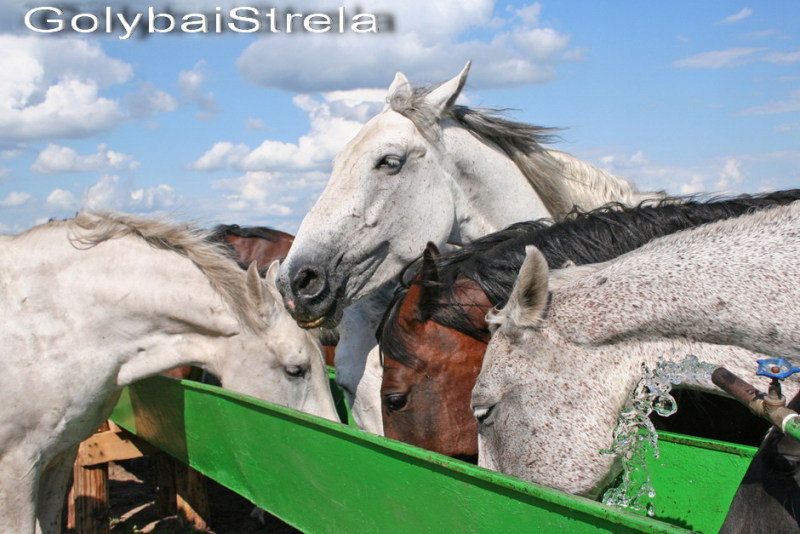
point(111, 446)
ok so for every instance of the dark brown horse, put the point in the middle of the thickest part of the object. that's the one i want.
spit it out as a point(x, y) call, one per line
point(434, 334)
point(254, 243)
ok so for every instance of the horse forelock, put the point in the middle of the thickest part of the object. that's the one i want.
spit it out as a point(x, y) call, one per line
point(213, 260)
point(392, 338)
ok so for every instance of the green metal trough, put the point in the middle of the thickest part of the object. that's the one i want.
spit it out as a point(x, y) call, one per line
point(321, 476)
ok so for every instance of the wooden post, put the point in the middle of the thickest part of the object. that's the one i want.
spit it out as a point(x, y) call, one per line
point(180, 490)
point(90, 494)
point(191, 496)
point(163, 469)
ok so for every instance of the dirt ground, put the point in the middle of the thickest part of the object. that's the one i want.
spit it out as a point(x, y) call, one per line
point(133, 509)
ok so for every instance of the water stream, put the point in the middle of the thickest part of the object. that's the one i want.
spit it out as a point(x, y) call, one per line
point(635, 436)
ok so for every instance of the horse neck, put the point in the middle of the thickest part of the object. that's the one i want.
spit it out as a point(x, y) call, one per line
point(491, 191)
point(663, 289)
point(494, 191)
point(157, 313)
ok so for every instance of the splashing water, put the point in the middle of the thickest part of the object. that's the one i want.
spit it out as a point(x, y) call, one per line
point(635, 436)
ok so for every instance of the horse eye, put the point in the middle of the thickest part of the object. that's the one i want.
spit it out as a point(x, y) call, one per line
point(390, 164)
point(295, 371)
point(395, 402)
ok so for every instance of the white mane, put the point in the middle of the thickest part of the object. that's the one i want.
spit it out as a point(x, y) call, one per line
point(561, 181)
point(224, 275)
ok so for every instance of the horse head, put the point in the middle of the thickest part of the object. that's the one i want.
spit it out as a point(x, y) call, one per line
point(391, 191)
point(430, 368)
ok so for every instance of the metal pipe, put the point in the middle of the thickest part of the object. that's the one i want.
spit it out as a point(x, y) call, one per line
point(771, 408)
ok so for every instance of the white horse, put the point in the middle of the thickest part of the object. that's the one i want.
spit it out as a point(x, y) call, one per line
point(93, 304)
point(562, 363)
point(425, 169)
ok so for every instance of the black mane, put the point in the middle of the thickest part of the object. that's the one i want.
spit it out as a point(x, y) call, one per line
point(261, 232)
point(581, 238)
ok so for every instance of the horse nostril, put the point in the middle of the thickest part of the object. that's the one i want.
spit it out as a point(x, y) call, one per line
point(308, 283)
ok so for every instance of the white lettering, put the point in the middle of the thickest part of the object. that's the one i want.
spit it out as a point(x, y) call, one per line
point(322, 21)
point(289, 18)
point(252, 20)
point(129, 26)
point(75, 23)
point(372, 22)
point(200, 21)
point(152, 16)
point(59, 23)
point(271, 18)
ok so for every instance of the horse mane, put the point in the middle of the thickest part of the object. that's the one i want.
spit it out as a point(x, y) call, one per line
point(560, 180)
point(222, 272)
point(493, 261)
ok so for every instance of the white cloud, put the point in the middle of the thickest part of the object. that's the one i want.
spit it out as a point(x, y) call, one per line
point(4, 229)
point(15, 198)
point(254, 124)
point(429, 46)
point(333, 121)
point(772, 108)
point(56, 159)
point(766, 34)
point(110, 192)
point(783, 57)
point(784, 128)
point(271, 194)
point(736, 17)
point(190, 85)
point(222, 154)
point(148, 100)
point(61, 199)
point(692, 187)
point(10, 154)
point(718, 59)
point(731, 175)
point(50, 88)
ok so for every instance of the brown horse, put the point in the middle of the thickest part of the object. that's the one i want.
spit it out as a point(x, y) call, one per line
point(434, 334)
point(254, 243)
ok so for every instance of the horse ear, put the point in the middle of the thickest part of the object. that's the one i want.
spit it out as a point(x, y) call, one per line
point(255, 287)
point(446, 94)
point(528, 300)
point(272, 272)
point(429, 271)
point(400, 88)
point(430, 281)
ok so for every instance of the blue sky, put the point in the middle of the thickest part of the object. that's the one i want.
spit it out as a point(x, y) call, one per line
point(682, 96)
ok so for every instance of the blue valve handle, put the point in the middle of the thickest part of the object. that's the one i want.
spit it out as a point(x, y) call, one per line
point(779, 368)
